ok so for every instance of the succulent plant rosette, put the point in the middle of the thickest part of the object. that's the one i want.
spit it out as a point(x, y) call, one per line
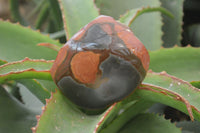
point(104, 79)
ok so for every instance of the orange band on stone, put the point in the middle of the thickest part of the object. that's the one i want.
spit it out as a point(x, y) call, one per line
point(84, 66)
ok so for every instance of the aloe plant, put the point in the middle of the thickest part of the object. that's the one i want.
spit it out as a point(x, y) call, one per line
point(31, 102)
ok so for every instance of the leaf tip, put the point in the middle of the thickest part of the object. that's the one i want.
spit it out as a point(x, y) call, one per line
point(49, 45)
point(189, 46)
point(98, 9)
point(150, 70)
point(176, 46)
point(33, 129)
point(163, 72)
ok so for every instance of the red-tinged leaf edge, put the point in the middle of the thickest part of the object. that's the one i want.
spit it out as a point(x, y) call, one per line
point(29, 73)
point(178, 97)
point(51, 46)
point(27, 59)
point(63, 17)
point(104, 117)
point(34, 129)
point(26, 74)
point(146, 86)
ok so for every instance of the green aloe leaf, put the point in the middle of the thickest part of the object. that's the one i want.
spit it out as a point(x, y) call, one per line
point(119, 114)
point(157, 87)
point(147, 27)
point(15, 118)
point(17, 42)
point(172, 28)
point(77, 13)
point(66, 117)
point(36, 88)
point(25, 69)
point(39, 65)
point(15, 12)
point(150, 123)
point(43, 16)
point(183, 63)
point(125, 111)
point(129, 17)
point(169, 90)
point(56, 14)
point(76, 120)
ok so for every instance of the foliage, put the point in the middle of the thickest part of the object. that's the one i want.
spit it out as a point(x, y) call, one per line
point(29, 99)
